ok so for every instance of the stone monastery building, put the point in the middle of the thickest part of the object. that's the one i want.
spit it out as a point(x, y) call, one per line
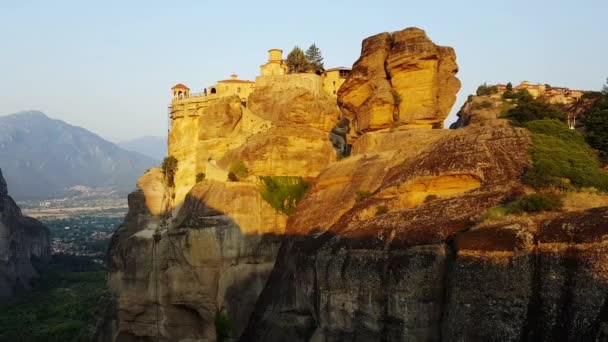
point(186, 103)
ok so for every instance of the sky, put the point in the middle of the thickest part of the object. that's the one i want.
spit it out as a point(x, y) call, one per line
point(108, 66)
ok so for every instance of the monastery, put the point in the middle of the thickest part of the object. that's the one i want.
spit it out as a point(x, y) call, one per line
point(555, 95)
point(185, 103)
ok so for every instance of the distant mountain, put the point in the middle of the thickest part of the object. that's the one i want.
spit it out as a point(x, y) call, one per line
point(151, 146)
point(43, 157)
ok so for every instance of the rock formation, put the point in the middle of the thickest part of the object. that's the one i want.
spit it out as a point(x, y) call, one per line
point(388, 244)
point(23, 241)
point(191, 251)
point(400, 78)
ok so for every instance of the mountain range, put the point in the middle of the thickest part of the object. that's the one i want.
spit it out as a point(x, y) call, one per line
point(42, 158)
point(151, 146)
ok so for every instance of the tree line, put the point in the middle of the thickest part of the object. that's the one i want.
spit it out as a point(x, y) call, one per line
point(310, 61)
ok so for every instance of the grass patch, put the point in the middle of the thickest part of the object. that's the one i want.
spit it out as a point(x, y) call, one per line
point(283, 192)
point(535, 203)
point(532, 203)
point(561, 158)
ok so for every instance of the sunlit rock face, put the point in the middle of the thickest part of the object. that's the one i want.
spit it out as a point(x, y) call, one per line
point(23, 241)
point(401, 78)
point(190, 250)
point(387, 244)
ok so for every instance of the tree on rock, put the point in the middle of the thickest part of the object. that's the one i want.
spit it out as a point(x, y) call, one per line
point(296, 61)
point(596, 125)
point(314, 58)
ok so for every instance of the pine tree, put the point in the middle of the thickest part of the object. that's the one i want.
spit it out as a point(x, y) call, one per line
point(509, 86)
point(296, 61)
point(315, 59)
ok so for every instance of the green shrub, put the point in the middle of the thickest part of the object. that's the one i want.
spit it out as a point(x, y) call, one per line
point(485, 89)
point(200, 177)
point(561, 158)
point(482, 105)
point(430, 198)
point(596, 126)
point(495, 213)
point(535, 203)
point(169, 167)
point(238, 169)
point(283, 192)
point(530, 109)
point(396, 97)
point(361, 195)
point(224, 327)
point(381, 210)
point(508, 94)
point(523, 95)
point(470, 97)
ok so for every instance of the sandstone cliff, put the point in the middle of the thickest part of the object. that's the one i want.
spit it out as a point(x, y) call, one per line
point(388, 244)
point(401, 78)
point(23, 240)
point(197, 249)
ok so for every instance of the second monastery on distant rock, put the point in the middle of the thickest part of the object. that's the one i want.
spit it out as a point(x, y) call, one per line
point(555, 95)
point(185, 101)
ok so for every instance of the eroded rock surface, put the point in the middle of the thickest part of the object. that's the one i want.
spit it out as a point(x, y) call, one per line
point(23, 240)
point(424, 271)
point(387, 244)
point(400, 78)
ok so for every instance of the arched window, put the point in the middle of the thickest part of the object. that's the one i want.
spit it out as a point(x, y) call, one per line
point(238, 89)
point(213, 91)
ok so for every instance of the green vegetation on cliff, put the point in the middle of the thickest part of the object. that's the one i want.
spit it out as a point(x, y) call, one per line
point(283, 192)
point(561, 158)
point(485, 89)
point(169, 167)
point(238, 170)
point(529, 109)
point(596, 125)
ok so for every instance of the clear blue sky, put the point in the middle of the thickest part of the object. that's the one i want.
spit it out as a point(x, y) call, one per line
point(108, 65)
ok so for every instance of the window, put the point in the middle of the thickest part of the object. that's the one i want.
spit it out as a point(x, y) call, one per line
point(238, 89)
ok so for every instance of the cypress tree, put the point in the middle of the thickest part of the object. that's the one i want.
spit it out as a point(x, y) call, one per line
point(315, 59)
point(296, 61)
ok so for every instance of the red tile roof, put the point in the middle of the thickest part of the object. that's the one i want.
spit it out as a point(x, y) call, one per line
point(180, 86)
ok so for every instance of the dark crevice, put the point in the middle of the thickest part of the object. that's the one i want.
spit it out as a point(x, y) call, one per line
point(532, 331)
point(450, 258)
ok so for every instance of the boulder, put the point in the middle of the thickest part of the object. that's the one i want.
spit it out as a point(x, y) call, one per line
point(401, 78)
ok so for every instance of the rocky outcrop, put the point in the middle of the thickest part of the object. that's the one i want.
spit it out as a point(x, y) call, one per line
point(388, 244)
point(481, 111)
point(400, 78)
point(393, 268)
point(23, 241)
point(195, 250)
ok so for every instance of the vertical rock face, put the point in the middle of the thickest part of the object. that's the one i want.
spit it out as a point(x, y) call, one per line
point(401, 78)
point(196, 250)
point(22, 240)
